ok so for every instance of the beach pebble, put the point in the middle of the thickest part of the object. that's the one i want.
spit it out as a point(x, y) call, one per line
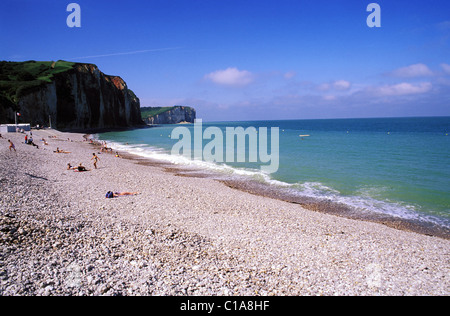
point(187, 236)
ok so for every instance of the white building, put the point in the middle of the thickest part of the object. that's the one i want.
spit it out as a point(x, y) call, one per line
point(11, 128)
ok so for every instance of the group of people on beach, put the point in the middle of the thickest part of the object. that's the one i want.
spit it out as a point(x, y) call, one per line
point(29, 140)
point(80, 167)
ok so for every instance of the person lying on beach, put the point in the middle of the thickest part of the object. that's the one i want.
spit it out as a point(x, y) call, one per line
point(69, 167)
point(110, 194)
point(11, 145)
point(59, 151)
point(80, 168)
point(106, 149)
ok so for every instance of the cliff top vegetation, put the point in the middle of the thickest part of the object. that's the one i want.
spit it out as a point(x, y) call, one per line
point(20, 78)
point(153, 111)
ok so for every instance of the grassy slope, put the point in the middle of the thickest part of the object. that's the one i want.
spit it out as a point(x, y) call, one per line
point(152, 111)
point(18, 78)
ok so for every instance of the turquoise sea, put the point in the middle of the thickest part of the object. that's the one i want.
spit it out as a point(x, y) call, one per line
point(395, 166)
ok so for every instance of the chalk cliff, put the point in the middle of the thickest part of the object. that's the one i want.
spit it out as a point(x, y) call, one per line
point(169, 115)
point(75, 96)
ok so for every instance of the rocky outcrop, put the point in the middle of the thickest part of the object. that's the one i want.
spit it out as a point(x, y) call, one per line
point(173, 115)
point(81, 98)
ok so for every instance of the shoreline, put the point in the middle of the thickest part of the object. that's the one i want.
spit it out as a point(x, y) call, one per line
point(186, 236)
point(313, 204)
point(342, 210)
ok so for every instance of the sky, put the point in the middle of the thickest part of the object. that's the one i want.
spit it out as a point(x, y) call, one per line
point(251, 59)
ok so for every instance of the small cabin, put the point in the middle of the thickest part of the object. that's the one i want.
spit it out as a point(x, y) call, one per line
point(12, 128)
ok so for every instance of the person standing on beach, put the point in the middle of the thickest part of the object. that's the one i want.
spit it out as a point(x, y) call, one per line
point(96, 159)
point(11, 145)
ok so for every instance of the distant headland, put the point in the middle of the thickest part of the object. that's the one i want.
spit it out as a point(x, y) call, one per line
point(168, 115)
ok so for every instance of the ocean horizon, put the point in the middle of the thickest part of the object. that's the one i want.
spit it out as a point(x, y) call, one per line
point(393, 166)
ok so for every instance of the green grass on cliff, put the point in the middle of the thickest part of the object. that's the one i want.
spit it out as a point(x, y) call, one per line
point(152, 111)
point(20, 78)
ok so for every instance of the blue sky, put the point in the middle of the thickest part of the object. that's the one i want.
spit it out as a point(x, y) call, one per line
point(248, 59)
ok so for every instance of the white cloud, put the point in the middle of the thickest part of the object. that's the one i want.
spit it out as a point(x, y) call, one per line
point(342, 85)
point(403, 89)
point(231, 77)
point(330, 98)
point(324, 87)
point(446, 68)
point(413, 71)
point(336, 85)
point(290, 75)
point(128, 53)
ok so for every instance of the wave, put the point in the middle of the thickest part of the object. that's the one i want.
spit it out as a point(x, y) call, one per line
point(365, 202)
point(367, 199)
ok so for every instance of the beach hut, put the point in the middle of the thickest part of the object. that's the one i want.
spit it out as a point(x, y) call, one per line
point(12, 128)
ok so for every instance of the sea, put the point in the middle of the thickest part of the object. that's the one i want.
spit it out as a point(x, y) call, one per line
point(398, 167)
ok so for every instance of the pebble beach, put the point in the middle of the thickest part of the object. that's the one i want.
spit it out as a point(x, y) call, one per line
point(59, 235)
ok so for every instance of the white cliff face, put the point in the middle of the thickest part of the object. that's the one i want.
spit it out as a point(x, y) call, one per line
point(174, 116)
point(82, 98)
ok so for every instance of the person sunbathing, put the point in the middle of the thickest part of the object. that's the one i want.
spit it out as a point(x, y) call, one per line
point(80, 168)
point(110, 194)
point(59, 151)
